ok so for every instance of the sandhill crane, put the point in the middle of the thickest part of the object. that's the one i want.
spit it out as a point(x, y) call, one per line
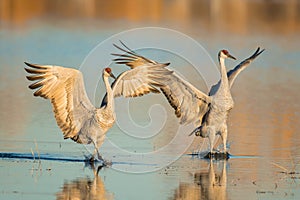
point(208, 112)
point(77, 118)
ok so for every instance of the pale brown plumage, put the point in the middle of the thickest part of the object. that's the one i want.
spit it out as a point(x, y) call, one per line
point(64, 87)
point(177, 91)
point(75, 115)
point(130, 58)
point(208, 112)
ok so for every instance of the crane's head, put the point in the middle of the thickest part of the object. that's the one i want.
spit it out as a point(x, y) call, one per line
point(225, 54)
point(108, 73)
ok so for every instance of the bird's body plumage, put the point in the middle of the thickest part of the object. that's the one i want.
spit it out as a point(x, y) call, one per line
point(215, 120)
point(76, 116)
point(209, 112)
point(221, 103)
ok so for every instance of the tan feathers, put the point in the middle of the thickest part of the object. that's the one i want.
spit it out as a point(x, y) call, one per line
point(57, 84)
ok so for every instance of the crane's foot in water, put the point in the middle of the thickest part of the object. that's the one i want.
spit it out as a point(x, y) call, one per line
point(217, 155)
point(106, 163)
point(99, 160)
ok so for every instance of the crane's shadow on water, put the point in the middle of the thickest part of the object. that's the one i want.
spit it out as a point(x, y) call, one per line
point(96, 165)
point(209, 155)
point(38, 156)
point(218, 156)
point(65, 158)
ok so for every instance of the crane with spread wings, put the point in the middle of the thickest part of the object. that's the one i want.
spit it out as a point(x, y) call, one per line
point(209, 112)
point(75, 115)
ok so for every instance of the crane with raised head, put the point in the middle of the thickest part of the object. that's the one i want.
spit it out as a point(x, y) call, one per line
point(209, 112)
point(75, 115)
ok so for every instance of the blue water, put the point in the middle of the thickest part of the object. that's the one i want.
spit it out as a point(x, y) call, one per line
point(263, 126)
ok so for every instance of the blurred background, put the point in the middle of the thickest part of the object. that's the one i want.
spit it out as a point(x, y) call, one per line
point(264, 121)
point(235, 17)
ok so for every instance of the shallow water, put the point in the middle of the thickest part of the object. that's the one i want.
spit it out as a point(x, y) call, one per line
point(263, 126)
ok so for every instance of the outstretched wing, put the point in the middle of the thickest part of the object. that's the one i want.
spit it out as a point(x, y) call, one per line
point(233, 73)
point(65, 89)
point(143, 77)
point(131, 58)
point(189, 103)
point(140, 80)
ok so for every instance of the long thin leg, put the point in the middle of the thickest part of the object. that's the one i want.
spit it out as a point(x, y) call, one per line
point(96, 154)
point(224, 137)
point(211, 136)
point(99, 157)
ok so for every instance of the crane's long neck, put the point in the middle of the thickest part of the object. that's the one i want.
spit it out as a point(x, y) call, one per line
point(224, 78)
point(110, 98)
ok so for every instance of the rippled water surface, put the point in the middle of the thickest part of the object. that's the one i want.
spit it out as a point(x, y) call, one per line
point(264, 136)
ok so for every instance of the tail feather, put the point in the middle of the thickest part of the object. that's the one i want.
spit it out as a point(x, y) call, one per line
point(196, 131)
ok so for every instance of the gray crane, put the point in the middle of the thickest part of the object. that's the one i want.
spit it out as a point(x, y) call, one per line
point(209, 112)
point(75, 115)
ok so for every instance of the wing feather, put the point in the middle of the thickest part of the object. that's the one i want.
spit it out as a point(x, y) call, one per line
point(145, 75)
point(140, 80)
point(132, 60)
point(189, 103)
point(65, 89)
point(233, 73)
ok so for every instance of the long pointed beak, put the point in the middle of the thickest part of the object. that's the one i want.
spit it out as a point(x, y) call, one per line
point(230, 56)
point(112, 75)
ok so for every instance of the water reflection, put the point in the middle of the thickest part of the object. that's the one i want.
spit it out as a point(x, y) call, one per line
point(85, 188)
point(207, 184)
